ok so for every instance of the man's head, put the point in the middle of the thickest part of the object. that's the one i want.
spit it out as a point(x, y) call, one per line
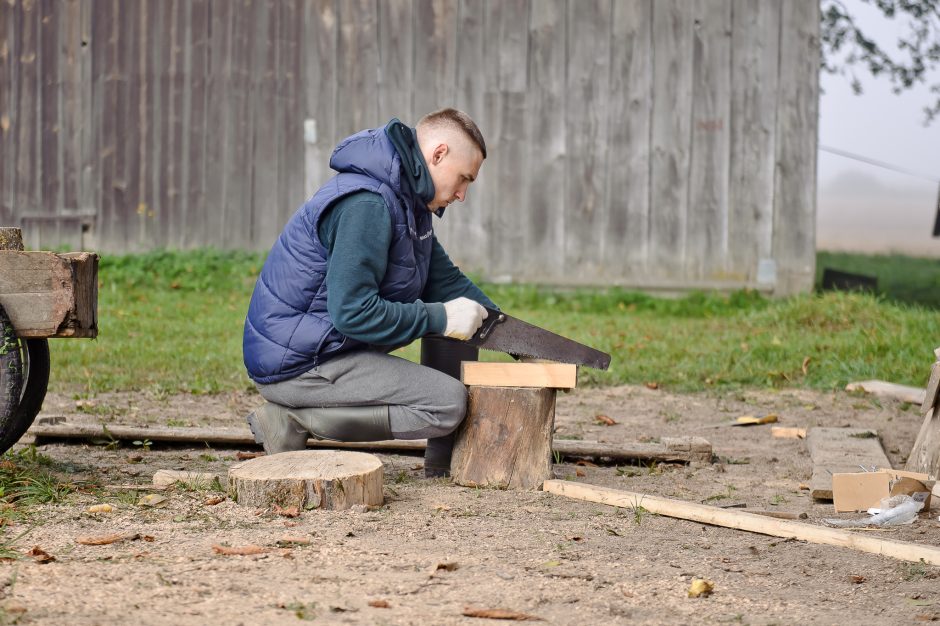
point(454, 150)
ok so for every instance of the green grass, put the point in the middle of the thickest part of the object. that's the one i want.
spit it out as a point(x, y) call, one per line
point(900, 278)
point(172, 322)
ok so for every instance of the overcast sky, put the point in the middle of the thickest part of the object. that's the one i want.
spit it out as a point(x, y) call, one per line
point(864, 207)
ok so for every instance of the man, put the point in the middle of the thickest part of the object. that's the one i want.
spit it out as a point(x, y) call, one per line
point(356, 272)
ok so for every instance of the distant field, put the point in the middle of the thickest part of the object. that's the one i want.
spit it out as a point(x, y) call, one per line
point(901, 278)
point(172, 322)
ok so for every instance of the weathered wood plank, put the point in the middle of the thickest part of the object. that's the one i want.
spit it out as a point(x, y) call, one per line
point(628, 175)
point(904, 393)
point(71, 110)
point(552, 375)
point(263, 109)
point(755, 40)
point(707, 223)
point(396, 60)
point(195, 140)
point(435, 54)
point(50, 295)
point(357, 60)
point(9, 120)
point(106, 28)
point(28, 164)
point(586, 124)
point(797, 122)
point(291, 108)
point(672, 115)
point(838, 451)
point(320, 43)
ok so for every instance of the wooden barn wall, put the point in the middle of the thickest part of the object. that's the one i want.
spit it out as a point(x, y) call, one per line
point(653, 143)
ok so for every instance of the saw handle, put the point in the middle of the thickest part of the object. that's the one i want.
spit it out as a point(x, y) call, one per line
point(492, 319)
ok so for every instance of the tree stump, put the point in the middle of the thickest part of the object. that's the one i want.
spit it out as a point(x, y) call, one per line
point(925, 455)
point(506, 439)
point(308, 479)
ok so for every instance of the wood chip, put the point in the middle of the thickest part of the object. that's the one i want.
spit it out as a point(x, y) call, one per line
point(652, 385)
point(604, 419)
point(380, 604)
point(103, 540)
point(239, 550)
point(244, 456)
point(500, 614)
point(212, 501)
point(288, 541)
point(287, 511)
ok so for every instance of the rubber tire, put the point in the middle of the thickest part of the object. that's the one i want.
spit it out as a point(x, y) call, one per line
point(23, 382)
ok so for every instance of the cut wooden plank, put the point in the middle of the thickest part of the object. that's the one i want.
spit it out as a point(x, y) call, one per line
point(308, 479)
point(742, 520)
point(858, 491)
point(50, 295)
point(551, 375)
point(670, 449)
point(840, 451)
point(882, 389)
point(505, 440)
point(784, 432)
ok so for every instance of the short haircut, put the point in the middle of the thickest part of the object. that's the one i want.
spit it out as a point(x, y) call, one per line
point(457, 120)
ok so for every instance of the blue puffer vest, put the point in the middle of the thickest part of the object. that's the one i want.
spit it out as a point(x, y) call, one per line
point(288, 330)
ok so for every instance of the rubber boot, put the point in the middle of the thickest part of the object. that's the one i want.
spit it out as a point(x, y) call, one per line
point(437, 456)
point(345, 423)
point(275, 430)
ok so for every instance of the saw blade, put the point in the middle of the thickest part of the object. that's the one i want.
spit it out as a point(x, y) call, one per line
point(505, 333)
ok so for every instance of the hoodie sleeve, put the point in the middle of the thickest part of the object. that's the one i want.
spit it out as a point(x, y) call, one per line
point(446, 281)
point(357, 233)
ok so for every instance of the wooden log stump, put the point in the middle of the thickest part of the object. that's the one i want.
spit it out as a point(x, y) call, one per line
point(308, 479)
point(506, 439)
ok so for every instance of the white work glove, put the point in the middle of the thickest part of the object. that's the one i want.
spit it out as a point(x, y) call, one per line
point(464, 317)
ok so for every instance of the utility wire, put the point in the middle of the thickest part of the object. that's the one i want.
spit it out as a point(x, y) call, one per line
point(877, 163)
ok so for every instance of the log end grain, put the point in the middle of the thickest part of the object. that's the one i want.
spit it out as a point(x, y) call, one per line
point(308, 479)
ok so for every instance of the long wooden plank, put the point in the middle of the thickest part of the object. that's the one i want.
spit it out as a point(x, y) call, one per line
point(50, 295)
point(904, 393)
point(552, 375)
point(670, 449)
point(742, 520)
point(838, 451)
point(320, 41)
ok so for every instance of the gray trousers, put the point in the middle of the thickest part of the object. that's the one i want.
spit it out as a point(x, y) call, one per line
point(422, 402)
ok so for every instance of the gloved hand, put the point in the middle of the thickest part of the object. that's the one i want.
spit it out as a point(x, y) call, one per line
point(464, 317)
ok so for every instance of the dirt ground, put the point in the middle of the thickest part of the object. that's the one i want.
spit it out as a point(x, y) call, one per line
point(564, 561)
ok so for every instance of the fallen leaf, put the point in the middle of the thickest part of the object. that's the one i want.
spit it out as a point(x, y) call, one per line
point(134, 458)
point(380, 604)
point(7, 466)
point(579, 473)
point(289, 511)
point(499, 614)
point(212, 501)
point(103, 540)
point(856, 579)
point(652, 385)
point(600, 418)
point(153, 500)
point(701, 588)
point(100, 508)
point(239, 550)
point(40, 556)
point(585, 463)
point(804, 487)
point(441, 507)
point(244, 456)
point(805, 366)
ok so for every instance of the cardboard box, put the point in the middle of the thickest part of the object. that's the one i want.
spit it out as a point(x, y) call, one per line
point(860, 491)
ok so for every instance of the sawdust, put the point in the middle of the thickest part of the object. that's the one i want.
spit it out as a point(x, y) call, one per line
point(564, 561)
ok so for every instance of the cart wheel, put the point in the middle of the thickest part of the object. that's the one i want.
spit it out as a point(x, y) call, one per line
point(24, 376)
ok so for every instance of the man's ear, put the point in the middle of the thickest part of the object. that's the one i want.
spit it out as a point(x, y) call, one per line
point(438, 154)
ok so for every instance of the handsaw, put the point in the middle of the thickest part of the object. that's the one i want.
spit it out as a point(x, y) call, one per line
point(505, 333)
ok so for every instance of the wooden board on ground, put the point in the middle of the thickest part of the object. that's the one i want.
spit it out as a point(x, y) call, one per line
point(506, 439)
point(741, 520)
point(787, 432)
point(668, 450)
point(839, 451)
point(308, 479)
point(50, 295)
point(551, 375)
point(882, 389)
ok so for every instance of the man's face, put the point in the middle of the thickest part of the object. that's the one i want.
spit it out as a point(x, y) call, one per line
point(452, 167)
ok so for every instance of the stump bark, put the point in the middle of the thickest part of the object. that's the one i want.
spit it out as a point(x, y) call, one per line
point(308, 479)
point(506, 439)
point(925, 455)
